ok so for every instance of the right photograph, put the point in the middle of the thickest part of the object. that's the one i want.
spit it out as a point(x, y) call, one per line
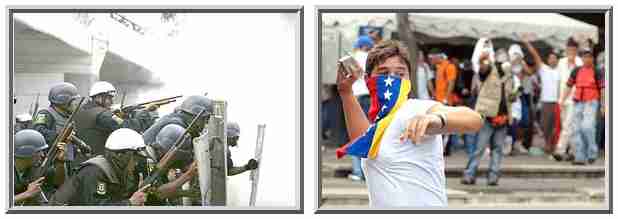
point(488, 111)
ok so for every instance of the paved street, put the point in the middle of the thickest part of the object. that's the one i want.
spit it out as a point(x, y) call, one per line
point(528, 182)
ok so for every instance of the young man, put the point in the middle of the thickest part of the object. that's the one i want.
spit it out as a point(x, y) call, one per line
point(408, 168)
point(495, 87)
point(550, 86)
point(589, 86)
point(566, 66)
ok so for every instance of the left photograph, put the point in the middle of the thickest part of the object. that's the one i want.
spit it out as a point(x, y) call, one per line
point(145, 107)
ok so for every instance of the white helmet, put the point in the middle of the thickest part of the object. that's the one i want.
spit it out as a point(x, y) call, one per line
point(102, 87)
point(24, 117)
point(124, 139)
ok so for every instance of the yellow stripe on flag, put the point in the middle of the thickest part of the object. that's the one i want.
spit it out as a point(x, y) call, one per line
point(384, 123)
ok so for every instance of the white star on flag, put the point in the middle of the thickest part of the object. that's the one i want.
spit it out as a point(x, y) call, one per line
point(388, 94)
point(389, 81)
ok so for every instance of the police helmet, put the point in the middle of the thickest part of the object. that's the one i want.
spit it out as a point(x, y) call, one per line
point(102, 87)
point(28, 142)
point(63, 93)
point(232, 129)
point(195, 104)
point(125, 139)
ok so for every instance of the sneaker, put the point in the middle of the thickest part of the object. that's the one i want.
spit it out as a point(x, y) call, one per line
point(519, 148)
point(557, 157)
point(355, 178)
point(468, 181)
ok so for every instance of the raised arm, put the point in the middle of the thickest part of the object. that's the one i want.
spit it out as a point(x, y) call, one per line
point(538, 62)
point(355, 119)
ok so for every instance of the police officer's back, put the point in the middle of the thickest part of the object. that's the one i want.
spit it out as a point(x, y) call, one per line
point(108, 179)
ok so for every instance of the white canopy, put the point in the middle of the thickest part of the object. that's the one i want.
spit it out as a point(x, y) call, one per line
point(551, 28)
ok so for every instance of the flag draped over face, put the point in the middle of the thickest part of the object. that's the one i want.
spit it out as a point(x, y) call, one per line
point(387, 94)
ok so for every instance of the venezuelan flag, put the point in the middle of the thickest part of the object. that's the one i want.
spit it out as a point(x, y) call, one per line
point(387, 95)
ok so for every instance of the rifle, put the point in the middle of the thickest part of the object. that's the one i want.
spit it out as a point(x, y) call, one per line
point(167, 159)
point(64, 137)
point(159, 102)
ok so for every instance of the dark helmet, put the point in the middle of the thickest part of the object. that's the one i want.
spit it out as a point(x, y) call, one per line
point(232, 129)
point(168, 136)
point(194, 104)
point(166, 139)
point(28, 142)
point(62, 93)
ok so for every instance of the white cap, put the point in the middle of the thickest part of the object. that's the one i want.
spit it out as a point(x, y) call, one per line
point(124, 139)
point(102, 87)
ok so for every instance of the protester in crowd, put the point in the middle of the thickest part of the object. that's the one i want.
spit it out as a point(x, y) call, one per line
point(445, 76)
point(468, 95)
point(493, 103)
point(521, 107)
point(601, 117)
point(565, 67)
point(406, 167)
point(424, 75)
point(362, 46)
point(589, 86)
point(550, 84)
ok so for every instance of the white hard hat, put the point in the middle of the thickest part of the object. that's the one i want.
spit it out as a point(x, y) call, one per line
point(24, 117)
point(102, 87)
point(124, 139)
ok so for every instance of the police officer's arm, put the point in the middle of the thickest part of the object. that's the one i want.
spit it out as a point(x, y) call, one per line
point(44, 124)
point(33, 189)
point(110, 122)
point(170, 190)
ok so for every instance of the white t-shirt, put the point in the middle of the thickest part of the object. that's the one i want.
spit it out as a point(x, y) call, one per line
point(565, 72)
point(359, 87)
point(550, 82)
point(407, 174)
point(423, 74)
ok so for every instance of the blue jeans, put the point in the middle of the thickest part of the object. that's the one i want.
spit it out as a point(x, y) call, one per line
point(584, 137)
point(470, 141)
point(494, 137)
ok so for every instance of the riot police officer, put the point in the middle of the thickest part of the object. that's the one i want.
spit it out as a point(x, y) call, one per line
point(29, 153)
point(95, 121)
point(182, 116)
point(183, 160)
point(22, 121)
point(108, 179)
point(233, 134)
point(50, 121)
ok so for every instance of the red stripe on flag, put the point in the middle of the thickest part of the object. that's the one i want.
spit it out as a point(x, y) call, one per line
point(374, 108)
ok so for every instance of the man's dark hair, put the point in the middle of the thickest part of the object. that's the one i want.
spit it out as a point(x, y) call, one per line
point(384, 50)
point(571, 42)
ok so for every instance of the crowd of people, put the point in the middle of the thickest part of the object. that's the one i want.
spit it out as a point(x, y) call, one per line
point(519, 93)
point(109, 153)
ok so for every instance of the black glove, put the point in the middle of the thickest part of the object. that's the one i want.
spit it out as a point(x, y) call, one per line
point(252, 164)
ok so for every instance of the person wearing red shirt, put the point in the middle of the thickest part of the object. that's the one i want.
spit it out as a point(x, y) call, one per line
point(589, 85)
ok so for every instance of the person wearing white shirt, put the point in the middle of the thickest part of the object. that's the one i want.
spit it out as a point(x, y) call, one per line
point(550, 85)
point(565, 67)
point(408, 170)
